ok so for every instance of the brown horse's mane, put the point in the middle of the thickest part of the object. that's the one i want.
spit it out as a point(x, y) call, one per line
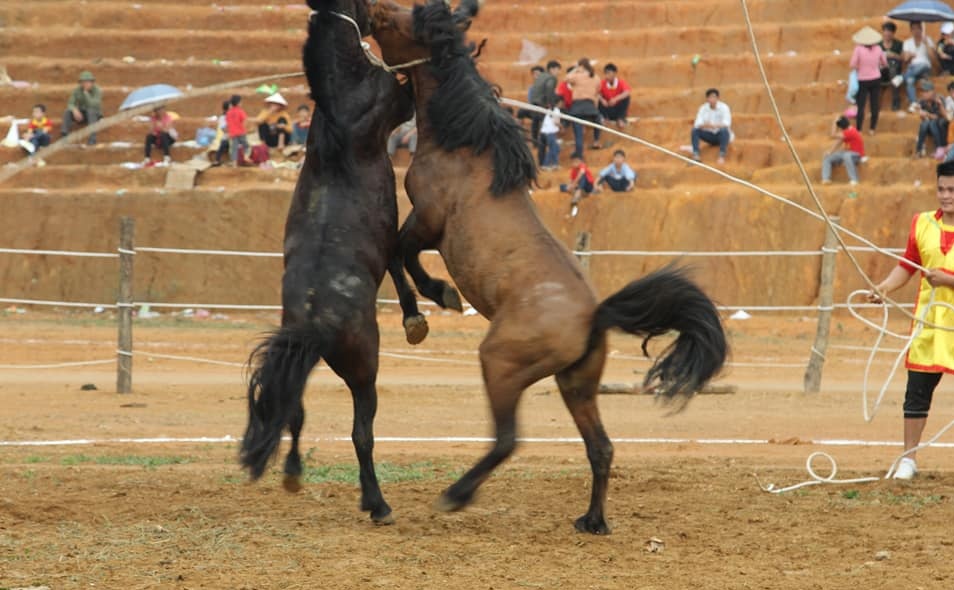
point(464, 110)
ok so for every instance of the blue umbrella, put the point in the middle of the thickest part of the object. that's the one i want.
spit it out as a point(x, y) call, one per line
point(149, 94)
point(922, 10)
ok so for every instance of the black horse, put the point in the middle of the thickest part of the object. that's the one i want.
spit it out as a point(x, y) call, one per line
point(340, 238)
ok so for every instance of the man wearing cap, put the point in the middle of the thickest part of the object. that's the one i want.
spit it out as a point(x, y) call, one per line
point(274, 123)
point(916, 54)
point(867, 59)
point(85, 105)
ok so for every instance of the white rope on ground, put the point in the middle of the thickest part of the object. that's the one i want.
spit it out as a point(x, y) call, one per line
point(59, 253)
point(228, 439)
point(815, 478)
point(428, 359)
point(698, 253)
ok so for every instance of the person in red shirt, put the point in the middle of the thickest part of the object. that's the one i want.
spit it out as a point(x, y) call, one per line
point(581, 183)
point(614, 96)
point(38, 130)
point(235, 126)
point(848, 150)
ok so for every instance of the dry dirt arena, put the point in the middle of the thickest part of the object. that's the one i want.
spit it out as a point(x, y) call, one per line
point(181, 515)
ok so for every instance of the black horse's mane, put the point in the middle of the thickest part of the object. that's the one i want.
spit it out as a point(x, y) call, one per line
point(464, 111)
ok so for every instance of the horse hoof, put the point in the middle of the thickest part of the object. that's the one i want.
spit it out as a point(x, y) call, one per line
point(292, 484)
point(447, 504)
point(415, 329)
point(386, 520)
point(594, 526)
point(450, 299)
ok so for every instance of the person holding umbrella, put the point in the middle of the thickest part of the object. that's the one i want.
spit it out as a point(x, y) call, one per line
point(867, 59)
point(162, 134)
point(85, 105)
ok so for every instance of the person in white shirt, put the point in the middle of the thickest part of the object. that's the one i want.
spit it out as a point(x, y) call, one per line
point(713, 125)
point(916, 54)
point(548, 147)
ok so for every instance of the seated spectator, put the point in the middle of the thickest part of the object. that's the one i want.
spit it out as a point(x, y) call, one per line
point(235, 120)
point(38, 130)
point(933, 119)
point(945, 48)
point(302, 123)
point(162, 134)
point(614, 97)
point(85, 106)
point(586, 95)
point(618, 175)
point(581, 183)
point(892, 51)
point(549, 146)
point(713, 125)
point(404, 136)
point(274, 122)
point(849, 149)
point(916, 54)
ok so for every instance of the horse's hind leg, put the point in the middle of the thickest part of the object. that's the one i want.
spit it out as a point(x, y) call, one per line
point(579, 385)
point(415, 324)
point(412, 239)
point(292, 480)
point(365, 397)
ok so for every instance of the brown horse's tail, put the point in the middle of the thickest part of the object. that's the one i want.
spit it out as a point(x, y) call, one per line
point(663, 301)
point(281, 366)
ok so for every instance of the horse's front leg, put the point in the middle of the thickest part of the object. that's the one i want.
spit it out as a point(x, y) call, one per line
point(412, 239)
point(415, 324)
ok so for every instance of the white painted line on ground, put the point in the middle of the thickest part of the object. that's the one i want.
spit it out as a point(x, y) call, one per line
point(463, 439)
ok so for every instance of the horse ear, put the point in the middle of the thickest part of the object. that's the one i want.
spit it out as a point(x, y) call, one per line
point(466, 11)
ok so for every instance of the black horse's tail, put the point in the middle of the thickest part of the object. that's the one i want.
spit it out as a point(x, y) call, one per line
point(656, 304)
point(281, 366)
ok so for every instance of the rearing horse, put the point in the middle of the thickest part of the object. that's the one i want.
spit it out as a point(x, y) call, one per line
point(469, 185)
point(340, 238)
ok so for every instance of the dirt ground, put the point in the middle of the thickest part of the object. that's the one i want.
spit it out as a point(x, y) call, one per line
point(180, 515)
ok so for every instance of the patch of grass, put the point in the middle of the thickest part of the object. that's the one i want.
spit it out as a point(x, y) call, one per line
point(387, 472)
point(145, 461)
point(35, 459)
point(851, 494)
point(29, 475)
point(913, 500)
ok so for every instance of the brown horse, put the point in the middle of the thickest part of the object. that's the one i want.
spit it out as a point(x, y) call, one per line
point(469, 185)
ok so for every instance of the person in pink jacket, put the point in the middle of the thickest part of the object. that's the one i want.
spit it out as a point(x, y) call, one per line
point(868, 59)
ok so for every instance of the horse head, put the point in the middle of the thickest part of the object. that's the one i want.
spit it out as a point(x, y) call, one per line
point(406, 35)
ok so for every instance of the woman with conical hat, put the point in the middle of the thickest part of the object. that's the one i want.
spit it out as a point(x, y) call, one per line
point(867, 60)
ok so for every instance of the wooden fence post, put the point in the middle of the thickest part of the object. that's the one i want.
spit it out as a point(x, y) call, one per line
point(583, 245)
point(816, 358)
point(124, 304)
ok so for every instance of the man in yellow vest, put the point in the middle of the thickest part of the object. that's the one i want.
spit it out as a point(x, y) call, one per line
point(931, 246)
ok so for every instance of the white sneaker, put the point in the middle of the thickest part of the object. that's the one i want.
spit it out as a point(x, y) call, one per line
point(853, 183)
point(906, 470)
point(574, 210)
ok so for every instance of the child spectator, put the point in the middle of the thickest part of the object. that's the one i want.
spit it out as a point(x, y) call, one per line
point(162, 134)
point(945, 48)
point(299, 135)
point(849, 149)
point(892, 50)
point(85, 105)
point(274, 123)
point(933, 119)
point(404, 136)
point(618, 175)
point(38, 130)
point(235, 120)
point(222, 134)
point(713, 125)
point(581, 183)
point(586, 95)
point(614, 97)
point(549, 151)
